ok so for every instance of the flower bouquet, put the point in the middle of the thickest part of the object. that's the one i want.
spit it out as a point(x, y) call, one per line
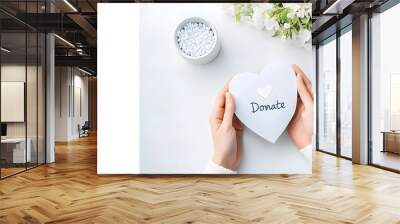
point(285, 20)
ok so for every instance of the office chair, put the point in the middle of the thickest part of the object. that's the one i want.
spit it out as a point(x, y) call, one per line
point(84, 130)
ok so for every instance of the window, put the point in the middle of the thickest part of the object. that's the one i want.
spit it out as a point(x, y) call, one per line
point(346, 94)
point(394, 102)
point(327, 97)
point(385, 90)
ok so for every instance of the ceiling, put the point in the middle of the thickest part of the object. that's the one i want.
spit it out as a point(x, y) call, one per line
point(332, 15)
point(75, 23)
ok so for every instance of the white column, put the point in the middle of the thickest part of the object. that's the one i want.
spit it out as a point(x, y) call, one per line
point(63, 103)
point(50, 99)
point(360, 90)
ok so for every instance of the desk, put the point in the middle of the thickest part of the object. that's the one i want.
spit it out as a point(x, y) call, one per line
point(15, 148)
point(391, 141)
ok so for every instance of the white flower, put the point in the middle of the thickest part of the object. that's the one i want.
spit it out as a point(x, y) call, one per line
point(291, 15)
point(270, 23)
point(307, 8)
point(304, 36)
point(304, 10)
point(258, 17)
point(301, 13)
point(293, 6)
point(286, 26)
point(246, 19)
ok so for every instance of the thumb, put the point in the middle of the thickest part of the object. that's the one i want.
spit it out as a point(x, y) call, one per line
point(229, 110)
point(305, 95)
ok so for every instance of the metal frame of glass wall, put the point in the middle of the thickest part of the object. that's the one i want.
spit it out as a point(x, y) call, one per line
point(35, 113)
point(334, 37)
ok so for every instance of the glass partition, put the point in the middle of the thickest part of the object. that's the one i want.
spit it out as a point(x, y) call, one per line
point(14, 153)
point(23, 89)
point(327, 97)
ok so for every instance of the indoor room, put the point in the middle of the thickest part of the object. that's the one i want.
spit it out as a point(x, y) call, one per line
point(215, 112)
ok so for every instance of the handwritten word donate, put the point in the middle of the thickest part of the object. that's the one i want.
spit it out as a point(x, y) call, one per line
point(257, 107)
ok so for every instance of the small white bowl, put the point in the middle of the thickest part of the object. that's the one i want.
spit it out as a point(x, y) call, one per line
point(203, 59)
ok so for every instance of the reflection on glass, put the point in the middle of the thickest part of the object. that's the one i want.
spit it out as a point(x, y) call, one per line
point(22, 91)
point(346, 94)
point(41, 98)
point(31, 101)
point(13, 86)
point(327, 97)
point(32, 86)
point(394, 102)
point(385, 84)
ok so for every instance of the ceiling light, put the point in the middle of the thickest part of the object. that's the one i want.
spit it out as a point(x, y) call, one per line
point(337, 7)
point(70, 5)
point(84, 71)
point(79, 51)
point(5, 50)
point(65, 41)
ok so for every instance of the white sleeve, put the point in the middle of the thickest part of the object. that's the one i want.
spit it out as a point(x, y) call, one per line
point(213, 168)
point(307, 153)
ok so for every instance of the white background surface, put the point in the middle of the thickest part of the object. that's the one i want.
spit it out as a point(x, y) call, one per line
point(118, 89)
point(176, 97)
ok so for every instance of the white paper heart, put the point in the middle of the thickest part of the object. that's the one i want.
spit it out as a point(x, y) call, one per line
point(265, 91)
point(265, 103)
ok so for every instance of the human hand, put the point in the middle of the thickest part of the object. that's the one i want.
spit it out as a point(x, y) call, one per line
point(227, 131)
point(300, 128)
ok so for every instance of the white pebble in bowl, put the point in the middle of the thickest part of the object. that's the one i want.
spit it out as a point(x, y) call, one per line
point(197, 40)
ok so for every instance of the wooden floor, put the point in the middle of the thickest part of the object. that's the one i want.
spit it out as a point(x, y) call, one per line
point(5, 172)
point(387, 159)
point(70, 191)
point(9, 171)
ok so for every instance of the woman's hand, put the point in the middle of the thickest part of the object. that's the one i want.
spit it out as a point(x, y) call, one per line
point(300, 128)
point(227, 131)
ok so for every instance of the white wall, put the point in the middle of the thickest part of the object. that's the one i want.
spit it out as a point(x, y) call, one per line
point(79, 117)
point(70, 82)
point(12, 73)
point(17, 72)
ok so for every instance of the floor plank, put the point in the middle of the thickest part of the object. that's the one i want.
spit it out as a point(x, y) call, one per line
point(70, 191)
